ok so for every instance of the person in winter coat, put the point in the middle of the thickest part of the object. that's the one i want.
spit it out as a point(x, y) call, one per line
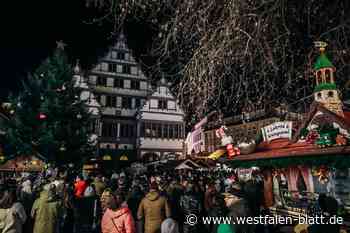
point(117, 219)
point(219, 210)
point(190, 204)
point(208, 198)
point(133, 204)
point(99, 185)
point(79, 187)
point(169, 225)
point(47, 212)
point(154, 209)
point(12, 213)
point(329, 209)
point(106, 199)
point(237, 207)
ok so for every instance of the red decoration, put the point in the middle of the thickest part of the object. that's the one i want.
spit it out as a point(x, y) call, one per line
point(232, 151)
point(312, 137)
point(42, 116)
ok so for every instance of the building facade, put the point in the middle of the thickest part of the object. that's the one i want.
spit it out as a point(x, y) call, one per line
point(160, 127)
point(122, 90)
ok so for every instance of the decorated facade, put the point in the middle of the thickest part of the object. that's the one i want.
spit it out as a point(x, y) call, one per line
point(299, 163)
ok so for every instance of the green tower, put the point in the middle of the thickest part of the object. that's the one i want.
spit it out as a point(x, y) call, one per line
point(326, 92)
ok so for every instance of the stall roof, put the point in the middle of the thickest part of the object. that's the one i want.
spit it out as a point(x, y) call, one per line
point(284, 152)
point(188, 164)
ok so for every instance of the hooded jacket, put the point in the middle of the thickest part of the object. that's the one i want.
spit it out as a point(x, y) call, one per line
point(119, 221)
point(47, 212)
point(154, 209)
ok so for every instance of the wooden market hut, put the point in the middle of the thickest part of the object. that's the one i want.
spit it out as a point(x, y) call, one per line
point(315, 159)
point(23, 164)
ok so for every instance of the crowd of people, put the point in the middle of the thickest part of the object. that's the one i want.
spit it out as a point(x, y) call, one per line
point(157, 202)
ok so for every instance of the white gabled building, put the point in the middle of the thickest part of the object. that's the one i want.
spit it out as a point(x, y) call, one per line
point(160, 126)
point(120, 87)
point(91, 103)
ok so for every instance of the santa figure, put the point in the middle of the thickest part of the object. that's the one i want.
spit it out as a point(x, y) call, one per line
point(227, 141)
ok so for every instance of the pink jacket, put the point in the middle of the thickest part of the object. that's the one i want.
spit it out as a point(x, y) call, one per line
point(119, 221)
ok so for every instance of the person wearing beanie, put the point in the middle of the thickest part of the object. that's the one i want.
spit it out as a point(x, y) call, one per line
point(153, 209)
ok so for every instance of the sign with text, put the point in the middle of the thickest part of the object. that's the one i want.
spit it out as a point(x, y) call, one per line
point(282, 129)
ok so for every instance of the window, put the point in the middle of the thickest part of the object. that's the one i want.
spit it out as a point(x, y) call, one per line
point(165, 131)
point(111, 101)
point(330, 94)
point(118, 82)
point(159, 130)
point(135, 84)
point(176, 131)
point(328, 76)
point(121, 56)
point(181, 131)
point(101, 81)
point(109, 129)
point(162, 104)
point(108, 101)
point(137, 103)
point(126, 130)
point(154, 129)
point(126, 69)
point(134, 70)
point(112, 67)
point(171, 131)
point(114, 55)
point(126, 102)
point(147, 130)
point(319, 77)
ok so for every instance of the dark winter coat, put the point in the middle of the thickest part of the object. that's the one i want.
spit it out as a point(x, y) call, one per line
point(191, 204)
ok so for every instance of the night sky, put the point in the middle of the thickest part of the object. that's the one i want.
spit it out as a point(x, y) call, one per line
point(30, 29)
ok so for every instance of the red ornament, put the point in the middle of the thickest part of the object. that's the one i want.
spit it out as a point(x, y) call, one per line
point(312, 137)
point(232, 151)
point(42, 116)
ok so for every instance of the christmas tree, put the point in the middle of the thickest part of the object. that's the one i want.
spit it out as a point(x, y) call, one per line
point(50, 119)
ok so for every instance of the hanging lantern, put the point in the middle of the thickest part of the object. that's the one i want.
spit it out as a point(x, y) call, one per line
point(42, 116)
point(63, 148)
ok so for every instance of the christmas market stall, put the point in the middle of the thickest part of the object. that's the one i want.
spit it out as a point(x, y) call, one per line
point(23, 164)
point(299, 165)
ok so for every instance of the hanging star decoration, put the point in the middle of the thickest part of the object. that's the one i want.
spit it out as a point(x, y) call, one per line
point(60, 45)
